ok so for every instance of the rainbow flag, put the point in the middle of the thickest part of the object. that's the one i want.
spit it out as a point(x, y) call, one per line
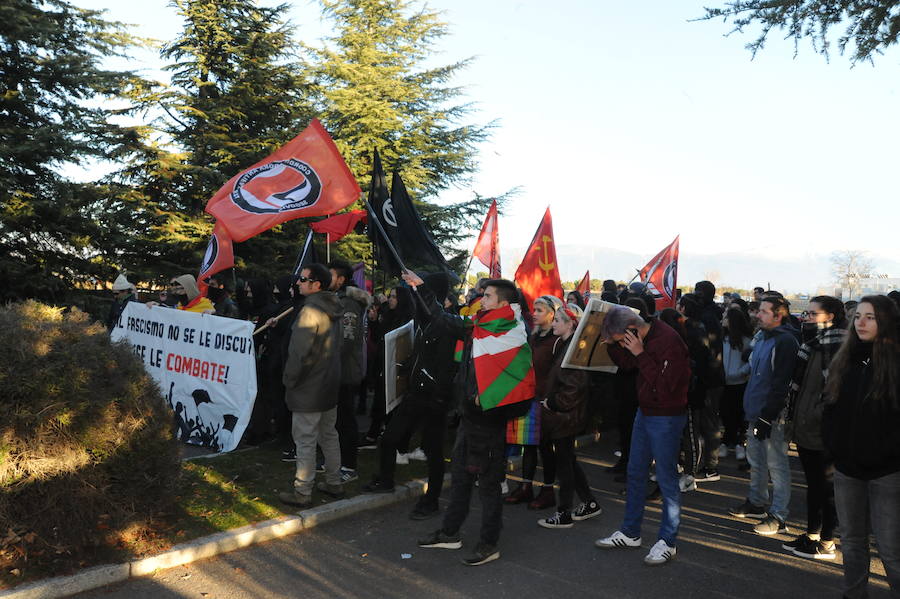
point(502, 357)
point(525, 430)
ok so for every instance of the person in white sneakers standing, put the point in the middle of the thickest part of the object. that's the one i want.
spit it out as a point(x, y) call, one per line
point(664, 374)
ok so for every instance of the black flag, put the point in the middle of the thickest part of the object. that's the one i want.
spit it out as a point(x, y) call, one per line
point(384, 211)
point(308, 254)
point(412, 240)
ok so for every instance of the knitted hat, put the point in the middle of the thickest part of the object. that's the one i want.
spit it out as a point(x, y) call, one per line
point(122, 284)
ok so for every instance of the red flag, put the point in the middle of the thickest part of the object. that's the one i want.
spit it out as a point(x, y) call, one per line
point(538, 274)
point(661, 275)
point(305, 177)
point(219, 256)
point(584, 287)
point(487, 248)
point(340, 224)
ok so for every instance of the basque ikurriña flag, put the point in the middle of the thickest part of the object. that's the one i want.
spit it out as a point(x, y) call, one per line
point(305, 177)
point(502, 357)
point(661, 275)
point(219, 256)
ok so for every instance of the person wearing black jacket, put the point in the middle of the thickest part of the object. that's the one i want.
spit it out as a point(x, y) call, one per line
point(480, 449)
point(709, 422)
point(431, 370)
point(860, 423)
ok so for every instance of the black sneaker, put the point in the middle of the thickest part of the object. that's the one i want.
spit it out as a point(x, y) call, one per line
point(816, 549)
point(483, 554)
point(289, 455)
point(771, 525)
point(797, 542)
point(561, 519)
point(367, 442)
point(441, 540)
point(586, 510)
point(748, 510)
point(377, 486)
point(707, 476)
point(424, 510)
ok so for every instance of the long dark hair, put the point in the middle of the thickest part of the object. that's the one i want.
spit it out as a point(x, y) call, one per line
point(738, 327)
point(833, 306)
point(885, 353)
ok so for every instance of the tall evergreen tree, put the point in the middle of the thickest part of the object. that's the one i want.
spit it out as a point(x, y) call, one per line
point(236, 94)
point(52, 116)
point(374, 90)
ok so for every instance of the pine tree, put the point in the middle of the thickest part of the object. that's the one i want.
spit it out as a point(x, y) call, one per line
point(373, 91)
point(52, 116)
point(236, 94)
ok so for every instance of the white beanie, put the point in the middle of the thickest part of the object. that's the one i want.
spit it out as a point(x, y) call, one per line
point(122, 284)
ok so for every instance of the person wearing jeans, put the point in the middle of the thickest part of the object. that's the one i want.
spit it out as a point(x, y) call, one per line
point(769, 458)
point(664, 374)
point(859, 430)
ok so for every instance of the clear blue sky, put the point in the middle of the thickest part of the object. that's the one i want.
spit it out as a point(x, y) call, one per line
point(635, 125)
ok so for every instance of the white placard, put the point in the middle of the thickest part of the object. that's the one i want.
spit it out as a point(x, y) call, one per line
point(398, 345)
point(204, 364)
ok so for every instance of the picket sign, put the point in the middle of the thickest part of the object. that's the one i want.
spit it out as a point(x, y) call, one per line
point(205, 366)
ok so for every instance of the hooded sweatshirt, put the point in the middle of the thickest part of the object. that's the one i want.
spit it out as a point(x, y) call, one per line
point(312, 374)
point(771, 366)
point(196, 302)
point(354, 303)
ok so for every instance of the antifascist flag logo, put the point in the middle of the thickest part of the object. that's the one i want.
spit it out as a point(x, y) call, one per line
point(277, 187)
point(669, 278)
point(212, 252)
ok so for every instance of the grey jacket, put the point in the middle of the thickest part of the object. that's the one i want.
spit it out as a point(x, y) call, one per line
point(312, 373)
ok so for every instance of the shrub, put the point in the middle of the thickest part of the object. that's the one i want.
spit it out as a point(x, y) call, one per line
point(86, 450)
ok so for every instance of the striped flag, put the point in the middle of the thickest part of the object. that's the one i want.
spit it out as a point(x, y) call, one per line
point(502, 357)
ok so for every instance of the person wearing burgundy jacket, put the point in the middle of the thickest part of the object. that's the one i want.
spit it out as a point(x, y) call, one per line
point(664, 374)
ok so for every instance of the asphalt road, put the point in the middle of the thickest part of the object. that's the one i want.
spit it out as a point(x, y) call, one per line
point(375, 555)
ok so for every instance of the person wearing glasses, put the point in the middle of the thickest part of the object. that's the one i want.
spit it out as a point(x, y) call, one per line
point(312, 377)
point(824, 328)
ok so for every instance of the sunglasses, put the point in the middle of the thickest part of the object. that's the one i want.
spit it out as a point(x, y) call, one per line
point(302, 279)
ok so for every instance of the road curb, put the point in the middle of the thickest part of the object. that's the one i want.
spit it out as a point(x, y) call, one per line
point(223, 542)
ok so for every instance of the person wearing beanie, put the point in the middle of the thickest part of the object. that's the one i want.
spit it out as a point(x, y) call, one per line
point(123, 292)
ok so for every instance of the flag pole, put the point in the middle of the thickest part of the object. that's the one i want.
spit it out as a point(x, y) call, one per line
point(390, 245)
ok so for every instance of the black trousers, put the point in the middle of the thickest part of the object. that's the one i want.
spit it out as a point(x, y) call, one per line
point(411, 415)
point(548, 459)
point(732, 411)
point(571, 475)
point(491, 446)
point(821, 514)
point(348, 433)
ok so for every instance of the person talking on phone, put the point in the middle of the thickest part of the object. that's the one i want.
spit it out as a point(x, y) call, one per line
point(664, 372)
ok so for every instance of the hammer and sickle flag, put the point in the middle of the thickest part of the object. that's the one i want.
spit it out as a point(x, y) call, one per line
point(538, 274)
point(305, 177)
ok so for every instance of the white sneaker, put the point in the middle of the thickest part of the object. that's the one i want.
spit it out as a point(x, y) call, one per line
point(723, 451)
point(418, 454)
point(618, 539)
point(402, 458)
point(687, 483)
point(659, 554)
point(504, 488)
point(740, 453)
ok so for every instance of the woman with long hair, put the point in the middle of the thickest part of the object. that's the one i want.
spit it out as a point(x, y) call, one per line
point(542, 340)
point(564, 413)
point(735, 353)
point(860, 430)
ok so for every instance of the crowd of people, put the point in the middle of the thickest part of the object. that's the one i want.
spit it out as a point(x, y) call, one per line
point(695, 384)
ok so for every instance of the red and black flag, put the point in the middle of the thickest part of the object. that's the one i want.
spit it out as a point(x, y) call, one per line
point(219, 256)
point(661, 275)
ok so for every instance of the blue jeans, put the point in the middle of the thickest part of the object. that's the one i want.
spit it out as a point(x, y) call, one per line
point(865, 505)
point(770, 457)
point(654, 438)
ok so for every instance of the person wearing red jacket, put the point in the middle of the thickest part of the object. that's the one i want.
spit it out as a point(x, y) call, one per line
point(664, 372)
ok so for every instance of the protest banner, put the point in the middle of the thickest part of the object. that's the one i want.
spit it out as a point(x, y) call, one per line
point(587, 350)
point(205, 366)
point(398, 346)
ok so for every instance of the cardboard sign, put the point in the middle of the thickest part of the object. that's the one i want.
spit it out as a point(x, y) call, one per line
point(205, 366)
point(398, 346)
point(587, 350)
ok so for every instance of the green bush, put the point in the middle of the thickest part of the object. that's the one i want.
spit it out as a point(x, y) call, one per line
point(86, 450)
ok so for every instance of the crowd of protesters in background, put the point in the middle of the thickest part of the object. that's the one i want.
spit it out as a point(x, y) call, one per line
point(711, 378)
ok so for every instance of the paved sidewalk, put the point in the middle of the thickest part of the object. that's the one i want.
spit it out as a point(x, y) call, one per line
point(363, 556)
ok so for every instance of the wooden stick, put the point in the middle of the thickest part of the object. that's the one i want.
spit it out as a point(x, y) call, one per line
point(276, 319)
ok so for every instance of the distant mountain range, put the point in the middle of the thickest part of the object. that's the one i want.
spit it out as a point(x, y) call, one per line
point(792, 274)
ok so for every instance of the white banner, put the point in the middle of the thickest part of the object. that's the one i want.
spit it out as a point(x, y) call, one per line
point(204, 364)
